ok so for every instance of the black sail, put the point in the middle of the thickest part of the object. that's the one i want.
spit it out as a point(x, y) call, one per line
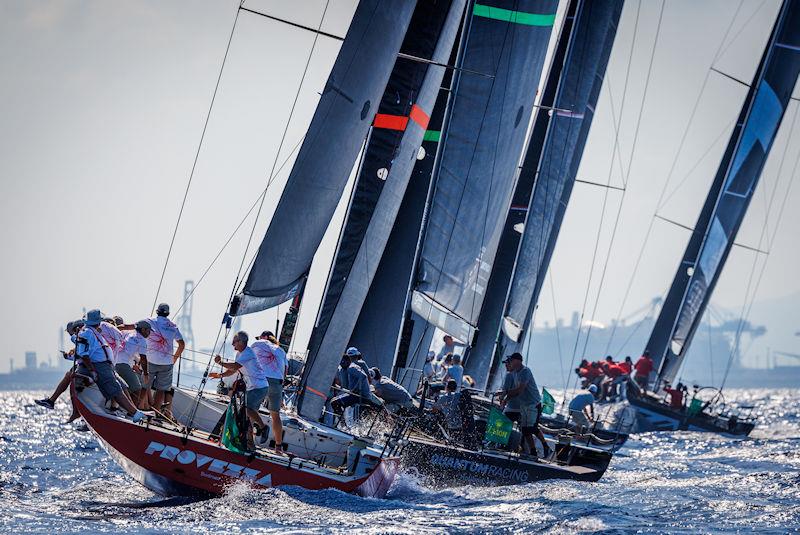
point(554, 163)
point(730, 195)
point(342, 119)
point(392, 150)
point(481, 149)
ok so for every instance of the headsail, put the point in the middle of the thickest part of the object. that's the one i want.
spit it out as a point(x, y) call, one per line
point(478, 165)
point(325, 159)
point(555, 164)
point(730, 194)
point(390, 156)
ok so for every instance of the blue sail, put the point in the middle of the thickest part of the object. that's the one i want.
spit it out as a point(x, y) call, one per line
point(392, 150)
point(730, 195)
point(341, 121)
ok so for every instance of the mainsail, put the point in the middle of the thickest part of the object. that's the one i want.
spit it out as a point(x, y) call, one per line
point(555, 166)
point(730, 195)
point(392, 150)
point(325, 159)
point(477, 171)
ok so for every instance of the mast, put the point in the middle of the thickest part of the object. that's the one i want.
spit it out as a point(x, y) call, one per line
point(729, 196)
point(325, 159)
point(553, 161)
point(476, 174)
point(392, 150)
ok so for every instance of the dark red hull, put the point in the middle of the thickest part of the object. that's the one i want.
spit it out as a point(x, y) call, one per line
point(170, 464)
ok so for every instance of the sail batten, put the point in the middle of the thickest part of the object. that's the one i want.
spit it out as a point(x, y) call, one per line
point(325, 160)
point(729, 195)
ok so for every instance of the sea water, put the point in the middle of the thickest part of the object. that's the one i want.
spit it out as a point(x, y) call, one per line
point(57, 480)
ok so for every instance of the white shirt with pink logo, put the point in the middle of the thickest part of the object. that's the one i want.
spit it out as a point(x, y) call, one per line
point(271, 357)
point(160, 343)
point(113, 337)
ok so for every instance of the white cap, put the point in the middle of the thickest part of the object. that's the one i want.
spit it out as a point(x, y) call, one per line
point(593, 389)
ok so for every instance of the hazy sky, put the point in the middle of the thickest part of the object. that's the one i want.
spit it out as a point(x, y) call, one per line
point(103, 104)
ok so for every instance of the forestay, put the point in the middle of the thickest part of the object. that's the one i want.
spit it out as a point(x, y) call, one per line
point(390, 156)
point(730, 195)
point(325, 159)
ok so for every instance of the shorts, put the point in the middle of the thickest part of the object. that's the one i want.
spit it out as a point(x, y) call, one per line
point(106, 378)
point(255, 397)
point(527, 417)
point(274, 394)
point(130, 377)
point(160, 376)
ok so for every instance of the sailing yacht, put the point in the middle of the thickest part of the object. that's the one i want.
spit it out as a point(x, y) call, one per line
point(713, 237)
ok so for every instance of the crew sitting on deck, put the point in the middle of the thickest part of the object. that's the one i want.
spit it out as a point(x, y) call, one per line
point(676, 395)
point(394, 396)
point(96, 360)
point(522, 402)
point(73, 327)
point(581, 408)
point(273, 361)
point(358, 359)
point(357, 391)
point(255, 381)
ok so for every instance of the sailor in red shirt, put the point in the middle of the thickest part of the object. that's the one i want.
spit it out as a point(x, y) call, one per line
point(643, 368)
point(626, 366)
point(675, 395)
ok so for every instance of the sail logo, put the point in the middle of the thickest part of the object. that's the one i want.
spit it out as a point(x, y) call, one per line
point(211, 464)
point(476, 468)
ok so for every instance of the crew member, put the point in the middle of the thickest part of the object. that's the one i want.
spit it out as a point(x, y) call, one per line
point(455, 372)
point(133, 353)
point(255, 382)
point(393, 395)
point(447, 406)
point(675, 395)
point(356, 358)
point(50, 402)
point(522, 402)
point(275, 364)
point(358, 386)
point(581, 408)
point(643, 368)
point(160, 356)
point(96, 362)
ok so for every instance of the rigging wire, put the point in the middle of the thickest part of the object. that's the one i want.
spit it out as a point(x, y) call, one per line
point(661, 202)
point(196, 157)
point(225, 324)
point(627, 173)
point(747, 306)
point(605, 196)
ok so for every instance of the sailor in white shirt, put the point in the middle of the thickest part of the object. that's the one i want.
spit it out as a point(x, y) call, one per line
point(133, 354)
point(160, 356)
point(252, 372)
point(273, 359)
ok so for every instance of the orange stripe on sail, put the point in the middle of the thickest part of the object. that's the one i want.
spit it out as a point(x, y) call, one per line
point(419, 116)
point(317, 392)
point(390, 122)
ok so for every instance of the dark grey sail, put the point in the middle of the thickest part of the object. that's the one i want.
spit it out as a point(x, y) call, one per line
point(477, 170)
point(730, 195)
point(324, 162)
point(555, 165)
point(392, 151)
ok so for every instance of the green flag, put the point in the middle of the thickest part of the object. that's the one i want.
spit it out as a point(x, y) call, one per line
point(548, 403)
point(498, 427)
point(231, 437)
